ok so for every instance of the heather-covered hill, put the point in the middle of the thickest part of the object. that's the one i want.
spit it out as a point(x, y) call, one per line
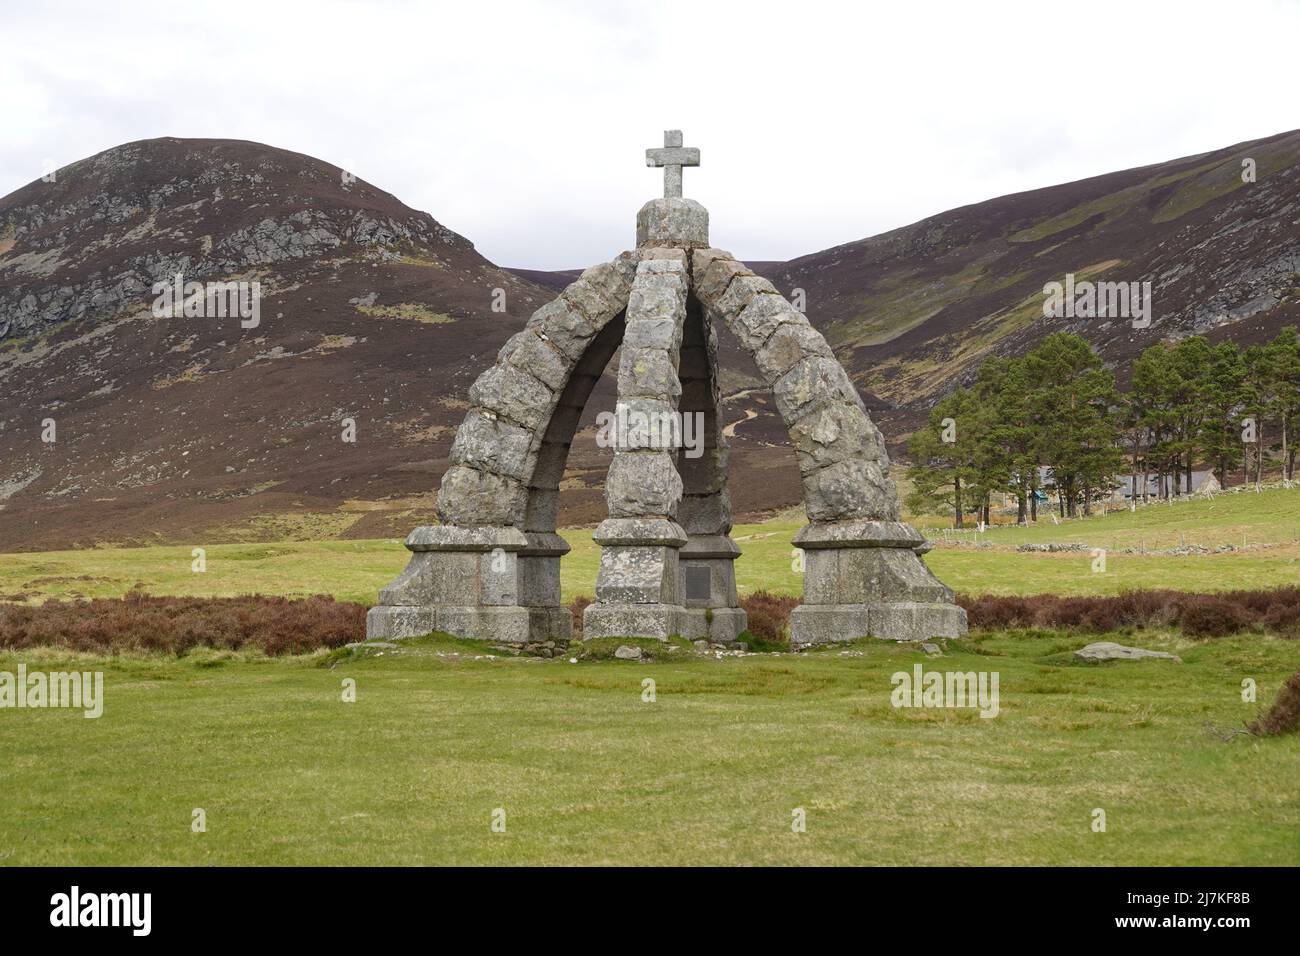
point(172, 429)
point(179, 428)
point(916, 310)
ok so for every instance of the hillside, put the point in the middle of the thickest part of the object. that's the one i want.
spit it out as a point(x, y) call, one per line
point(175, 429)
point(915, 310)
point(171, 428)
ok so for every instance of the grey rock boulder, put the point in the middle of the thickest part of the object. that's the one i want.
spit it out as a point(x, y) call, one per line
point(1110, 651)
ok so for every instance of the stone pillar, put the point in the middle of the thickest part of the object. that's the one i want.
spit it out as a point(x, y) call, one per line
point(637, 589)
point(866, 578)
point(708, 558)
point(464, 581)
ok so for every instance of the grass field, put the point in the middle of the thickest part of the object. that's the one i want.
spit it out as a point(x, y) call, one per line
point(356, 570)
point(1237, 518)
point(441, 734)
point(981, 564)
point(710, 772)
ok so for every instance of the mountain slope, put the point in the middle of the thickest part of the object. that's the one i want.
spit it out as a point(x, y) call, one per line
point(188, 428)
point(194, 429)
point(370, 310)
point(914, 311)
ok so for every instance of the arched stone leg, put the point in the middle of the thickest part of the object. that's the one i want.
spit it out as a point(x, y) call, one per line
point(863, 573)
point(491, 570)
point(707, 560)
point(638, 586)
point(539, 562)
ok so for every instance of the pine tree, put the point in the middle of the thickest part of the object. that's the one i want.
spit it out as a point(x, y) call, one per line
point(1153, 402)
point(1258, 397)
point(1078, 434)
point(943, 473)
point(1219, 440)
point(1011, 442)
point(1190, 361)
point(1282, 357)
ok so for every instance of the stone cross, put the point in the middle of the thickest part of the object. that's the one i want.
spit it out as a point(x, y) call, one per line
point(672, 158)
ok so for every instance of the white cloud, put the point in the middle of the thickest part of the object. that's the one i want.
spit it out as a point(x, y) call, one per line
point(522, 125)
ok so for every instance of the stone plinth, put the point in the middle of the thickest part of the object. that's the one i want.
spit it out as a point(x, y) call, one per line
point(637, 588)
point(708, 588)
point(866, 578)
point(495, 584)
point(682, 223)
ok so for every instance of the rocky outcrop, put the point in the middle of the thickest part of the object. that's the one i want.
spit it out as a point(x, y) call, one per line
point(92, 242)
point(171, 426)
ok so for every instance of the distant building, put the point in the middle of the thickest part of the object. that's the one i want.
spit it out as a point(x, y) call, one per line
point(1125, 484)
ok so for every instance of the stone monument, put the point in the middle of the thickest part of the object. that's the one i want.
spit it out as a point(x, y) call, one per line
point(491, 569)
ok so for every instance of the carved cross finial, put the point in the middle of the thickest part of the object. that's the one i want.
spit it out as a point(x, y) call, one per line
point(672, 158)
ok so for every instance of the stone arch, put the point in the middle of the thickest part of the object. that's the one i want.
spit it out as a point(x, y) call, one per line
point(863, 572)
point(491, 570)
point(843, 463)
point(510, 449)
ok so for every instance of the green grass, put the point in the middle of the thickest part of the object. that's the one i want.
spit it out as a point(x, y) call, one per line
point(1264, 526)
point(1268, 523)
point(350, 570)
point(442, 733)
point(710, 772)
point(1001, 572)
point(1268, 517)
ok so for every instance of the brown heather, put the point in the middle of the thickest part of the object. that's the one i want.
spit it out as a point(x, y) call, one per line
point(576, 608)
point(278, 625)
point(173, 625)
point(1274, 611)
point(1284, 716)
point(769, 614)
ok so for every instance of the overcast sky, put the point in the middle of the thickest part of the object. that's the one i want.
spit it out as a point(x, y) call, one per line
point(523, 125)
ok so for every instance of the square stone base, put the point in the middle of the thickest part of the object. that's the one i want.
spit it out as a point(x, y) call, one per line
point(721, 625)
point(488, 584)
point(719, 574)
point(901, 621)
point(914, 621)
point(503, 625)
point(869, 576)
point(550, 624)
point(637, 574)
point(657, 621)
point(390, 622)
point(672, 222)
